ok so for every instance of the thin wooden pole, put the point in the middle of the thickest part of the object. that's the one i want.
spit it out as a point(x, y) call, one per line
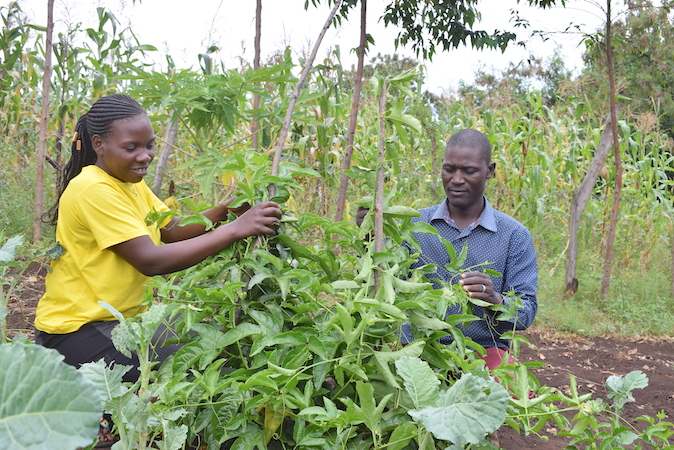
point(296, 93)
point(618, 181)
point(254, 123)
point(353, 118)
point(379, 192)
point(44, 123)
point(580, 199)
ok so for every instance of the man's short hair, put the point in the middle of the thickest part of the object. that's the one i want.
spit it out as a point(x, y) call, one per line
point(470, 138)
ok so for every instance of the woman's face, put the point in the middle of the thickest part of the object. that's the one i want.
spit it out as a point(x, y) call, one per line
point(127, 150)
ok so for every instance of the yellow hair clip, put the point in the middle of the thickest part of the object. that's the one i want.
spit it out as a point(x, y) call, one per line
point(75, 136)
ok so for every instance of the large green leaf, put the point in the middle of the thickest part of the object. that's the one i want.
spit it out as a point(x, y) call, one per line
point(467, 411)
point(421, 383)
point(8, 251)
point(44, 403)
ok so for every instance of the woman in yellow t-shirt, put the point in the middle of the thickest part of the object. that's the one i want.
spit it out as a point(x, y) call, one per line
point(110, 251)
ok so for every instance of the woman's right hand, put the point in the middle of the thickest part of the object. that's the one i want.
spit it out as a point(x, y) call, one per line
point(263, 218)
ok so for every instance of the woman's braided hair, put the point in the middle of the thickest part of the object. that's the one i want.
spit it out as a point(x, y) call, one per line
point(97, 121)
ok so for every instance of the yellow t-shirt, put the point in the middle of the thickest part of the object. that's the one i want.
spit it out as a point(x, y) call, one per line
point(96, 211)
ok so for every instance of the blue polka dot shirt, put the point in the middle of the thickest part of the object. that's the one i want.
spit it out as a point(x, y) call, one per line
point(495, 238)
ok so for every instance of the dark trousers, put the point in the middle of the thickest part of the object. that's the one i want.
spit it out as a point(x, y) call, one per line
point(93, 341)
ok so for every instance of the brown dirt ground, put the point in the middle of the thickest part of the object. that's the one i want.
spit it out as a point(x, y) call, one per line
point(591, 360)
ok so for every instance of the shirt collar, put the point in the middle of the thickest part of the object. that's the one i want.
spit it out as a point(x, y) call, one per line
point(487, 219)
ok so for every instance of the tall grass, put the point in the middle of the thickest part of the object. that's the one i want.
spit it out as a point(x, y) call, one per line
point(17, 187)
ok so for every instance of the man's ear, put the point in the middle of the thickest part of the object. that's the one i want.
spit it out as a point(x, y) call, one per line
point(492, 170)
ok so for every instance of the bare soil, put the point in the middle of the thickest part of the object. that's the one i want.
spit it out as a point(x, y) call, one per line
point(591, 360)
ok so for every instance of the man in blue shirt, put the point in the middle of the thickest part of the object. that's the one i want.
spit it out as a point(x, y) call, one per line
point(493, 237)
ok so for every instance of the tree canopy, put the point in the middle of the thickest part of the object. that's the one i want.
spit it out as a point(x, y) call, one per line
point(446, 24)
point(644, 47)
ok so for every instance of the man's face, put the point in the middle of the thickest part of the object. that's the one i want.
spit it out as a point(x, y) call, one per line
point(465, 172)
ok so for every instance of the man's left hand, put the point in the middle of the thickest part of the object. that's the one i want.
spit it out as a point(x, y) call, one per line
point(479, 285)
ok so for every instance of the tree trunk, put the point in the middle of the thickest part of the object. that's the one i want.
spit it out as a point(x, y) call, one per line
point(170, 138)
point(617, 188)
point(296, 92)
point(44, 122)
point(379, 191)
point(353, 118)
point(579, 202)
point(255, 124)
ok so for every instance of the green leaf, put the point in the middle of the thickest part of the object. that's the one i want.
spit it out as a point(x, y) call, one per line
point(401, 211)
point(409, 287)
point(197, 219)
point(108, 380)
point(281, 370)
point(402, 435)
point(386, 293)
point(44, 403)
point(405, 77)
point(462, 256)
point(240, 332)
point(330, 412)
point(423, 227)
point(467, 411)
point(451, 251)
point(153, 317)
point(269, 257)
point(174, 436)
point(262, 378)
point(421, 383)
point(296, 248)
point(382, 360)
point(252, 439)
point(396, 114)
point(116, 314)
point(345, 284)
point(417, 317)
point(125, 339)
point(391, 310)
point(211, 380)
point(55, 251)
point(8, 251)
point(370, 411)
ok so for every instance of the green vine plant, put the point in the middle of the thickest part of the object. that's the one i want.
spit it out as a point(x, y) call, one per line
point(287, 345)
